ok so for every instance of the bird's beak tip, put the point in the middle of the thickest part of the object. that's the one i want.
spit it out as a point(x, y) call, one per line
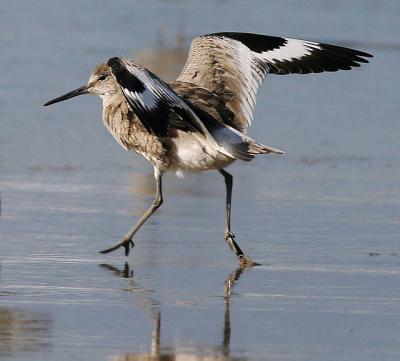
point(79, 91)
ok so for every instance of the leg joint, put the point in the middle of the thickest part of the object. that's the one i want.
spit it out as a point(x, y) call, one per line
point(157, 202)
point(227, 176)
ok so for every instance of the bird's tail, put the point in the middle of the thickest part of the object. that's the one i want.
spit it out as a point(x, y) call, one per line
point(235, 144)
point(258, 148)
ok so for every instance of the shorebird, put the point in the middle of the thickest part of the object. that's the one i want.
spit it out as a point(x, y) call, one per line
point(199, 121)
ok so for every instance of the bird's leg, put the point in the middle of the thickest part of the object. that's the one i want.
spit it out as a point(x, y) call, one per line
point(245, 261)
point(229, 236)
point(126, 241)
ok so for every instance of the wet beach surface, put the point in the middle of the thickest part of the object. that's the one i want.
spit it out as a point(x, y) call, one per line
point(323, 220)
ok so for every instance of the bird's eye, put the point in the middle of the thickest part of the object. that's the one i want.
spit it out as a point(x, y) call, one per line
point(102, 77)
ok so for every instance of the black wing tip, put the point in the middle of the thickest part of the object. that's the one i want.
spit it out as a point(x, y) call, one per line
point(364, 54)
point(261, 42)
point(355, 54)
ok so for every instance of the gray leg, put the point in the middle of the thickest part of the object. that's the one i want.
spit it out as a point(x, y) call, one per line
point(127, 242)
point(229, 236)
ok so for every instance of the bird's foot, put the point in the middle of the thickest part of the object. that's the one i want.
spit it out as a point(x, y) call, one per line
point(245, 261)
point(126, 243)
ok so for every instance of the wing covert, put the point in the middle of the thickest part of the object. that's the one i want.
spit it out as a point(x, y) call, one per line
point(233, 65)
point(157, 106)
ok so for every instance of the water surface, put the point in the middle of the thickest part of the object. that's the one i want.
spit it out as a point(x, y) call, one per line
point(323, 219)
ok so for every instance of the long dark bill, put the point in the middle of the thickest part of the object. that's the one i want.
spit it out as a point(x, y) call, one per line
point(74, 93)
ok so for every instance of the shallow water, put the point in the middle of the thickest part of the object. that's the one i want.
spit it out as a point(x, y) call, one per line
point(323, 220)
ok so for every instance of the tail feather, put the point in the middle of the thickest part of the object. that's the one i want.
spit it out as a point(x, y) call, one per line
point(235, 144)
point(257, 148)
point(230, 141)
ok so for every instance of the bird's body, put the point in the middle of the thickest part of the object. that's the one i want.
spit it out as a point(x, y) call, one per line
point(180, 151)
point(199, 122)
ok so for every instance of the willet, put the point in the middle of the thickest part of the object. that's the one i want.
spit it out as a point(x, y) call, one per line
point(199, 122)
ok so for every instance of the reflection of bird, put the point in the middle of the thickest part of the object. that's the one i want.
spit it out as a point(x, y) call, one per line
point(159, 352)
point(198, 122)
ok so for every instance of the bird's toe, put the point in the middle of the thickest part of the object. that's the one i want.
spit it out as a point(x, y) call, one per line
point(246, 262)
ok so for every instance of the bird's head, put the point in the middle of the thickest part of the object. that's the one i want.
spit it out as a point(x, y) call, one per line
point(101, 83)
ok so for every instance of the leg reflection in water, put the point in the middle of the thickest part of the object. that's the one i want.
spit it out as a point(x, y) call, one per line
point(161, 352)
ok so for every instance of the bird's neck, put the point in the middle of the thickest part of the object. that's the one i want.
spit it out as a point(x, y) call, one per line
point(115, 112)
point(114, 100)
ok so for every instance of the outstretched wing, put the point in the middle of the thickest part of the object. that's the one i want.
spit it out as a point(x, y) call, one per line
point(156, 105)
point(233, 65)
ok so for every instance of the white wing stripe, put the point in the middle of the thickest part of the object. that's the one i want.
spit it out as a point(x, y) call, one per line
point(293, 49)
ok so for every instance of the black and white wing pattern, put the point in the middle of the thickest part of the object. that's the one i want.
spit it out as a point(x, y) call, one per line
point(233, 65)
point(159, 108)
point(156, 105)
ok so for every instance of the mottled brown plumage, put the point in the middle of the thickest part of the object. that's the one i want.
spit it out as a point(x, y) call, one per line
point(199, 121)
point(130, 133)
point(206, 100)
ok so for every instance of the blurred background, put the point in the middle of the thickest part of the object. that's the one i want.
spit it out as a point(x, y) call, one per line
point(323, 219)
